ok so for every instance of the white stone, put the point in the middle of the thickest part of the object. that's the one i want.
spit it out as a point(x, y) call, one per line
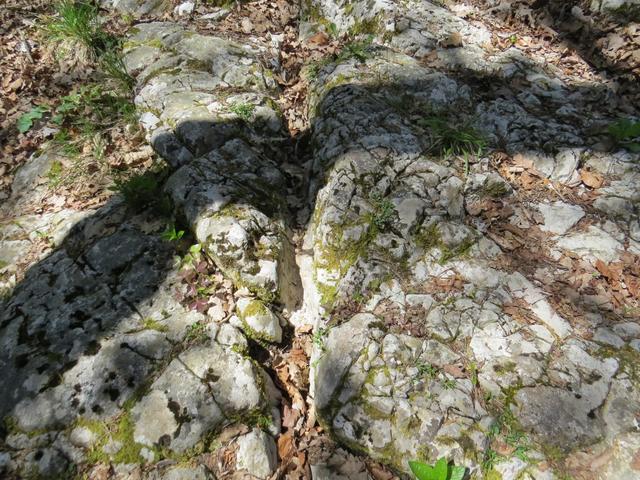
point(523, 288)
point(592, 244)
point(147, 454)
point(257, 316)
point(510, 470)
point(559, 217)
point(256, 454)
point(185, 8)
point(82, 437)
point(567, 162)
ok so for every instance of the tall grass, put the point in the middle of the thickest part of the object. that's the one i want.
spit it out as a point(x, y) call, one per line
point(77, 22)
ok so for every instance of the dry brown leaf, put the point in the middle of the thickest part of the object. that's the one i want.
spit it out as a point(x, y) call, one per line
point(285, 445)
point(591, 179)
point(633, 285)
point(318, 40)
point(290, 417)
point(611, 272)
point(455, 371)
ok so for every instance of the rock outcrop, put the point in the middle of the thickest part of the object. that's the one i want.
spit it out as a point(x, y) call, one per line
point(434, 336)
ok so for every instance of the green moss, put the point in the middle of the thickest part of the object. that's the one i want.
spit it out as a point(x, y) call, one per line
point(495, 189)
point(11, 426)
point(120, 430)
point(255, 307)
point(348, 8)
point(371, 26)
point(196, 332)
point(428, 237)
point(198, 65)
point(628, 360)
point(257, 418)
point(163, 71)
point(459, 251)
point(493, 475)
point(151, 324)
point(507, 367)
point(340, 79)
point(240, 350)
point(131, 44)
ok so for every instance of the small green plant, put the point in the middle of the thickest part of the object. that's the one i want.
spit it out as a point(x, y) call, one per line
point(25, 122)
point(513, 39)
point(54, 175)
point(332, 30)
point(458, 251)
point(68, 147)
point(196, 332)
point(449, 384)
point(441, 470)
point(626, 133)
point(139, 190)
point(74, 20)
point(428, 370)
point(151, 324)
point(359, 49)
point(92, 105)
point(76, 23)
point(489, 460)
point(473, 369)
point(243, 110)
point(383, 212)
point(318, 337)
point(112, 64)
point(450, 138)
point(171, 234)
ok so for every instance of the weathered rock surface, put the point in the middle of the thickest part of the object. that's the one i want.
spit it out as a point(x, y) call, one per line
point(425, 371)
point(433, 336)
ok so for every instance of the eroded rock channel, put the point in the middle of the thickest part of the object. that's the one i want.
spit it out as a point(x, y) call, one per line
point(433, 334)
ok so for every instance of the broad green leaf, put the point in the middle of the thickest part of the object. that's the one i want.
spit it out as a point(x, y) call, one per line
point(456, 473)
point(25, 122)
point(422, 471)
point(441, 469)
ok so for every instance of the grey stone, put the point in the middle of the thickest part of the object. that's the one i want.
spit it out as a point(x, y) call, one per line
point(557, 417)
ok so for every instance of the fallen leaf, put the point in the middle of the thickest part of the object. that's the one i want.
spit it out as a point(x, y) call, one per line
point(611, 272)
point(318, 40)
point(285, 445)
point(591, 179)
point(455, 371)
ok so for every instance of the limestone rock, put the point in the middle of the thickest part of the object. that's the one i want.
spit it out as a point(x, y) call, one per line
point(256, 454)
point(559, 217)
point(259, 320)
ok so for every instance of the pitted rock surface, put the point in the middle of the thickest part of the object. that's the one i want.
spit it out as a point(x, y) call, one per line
point(392, 217)
point(433, 335)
